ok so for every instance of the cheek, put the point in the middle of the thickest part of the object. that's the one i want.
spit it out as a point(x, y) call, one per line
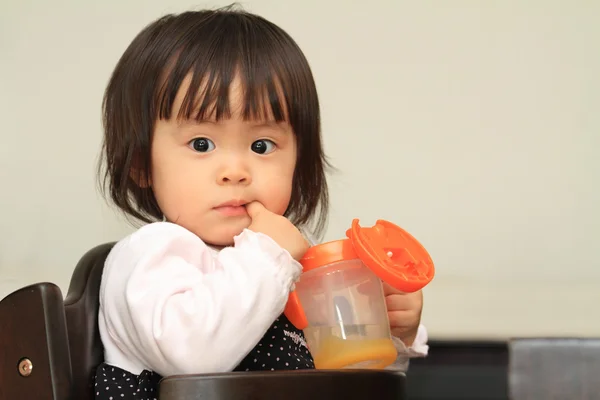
point(277, 198)
point(162, 188)
point(170, 184)
point(276, 191)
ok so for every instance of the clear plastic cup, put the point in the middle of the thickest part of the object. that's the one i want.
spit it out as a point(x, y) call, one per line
point(348, 326)
point(339, 301)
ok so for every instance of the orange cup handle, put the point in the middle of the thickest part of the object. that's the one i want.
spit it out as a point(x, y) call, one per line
point(294, 312)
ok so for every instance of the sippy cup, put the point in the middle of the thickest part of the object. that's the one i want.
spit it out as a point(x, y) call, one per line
point(339, 303)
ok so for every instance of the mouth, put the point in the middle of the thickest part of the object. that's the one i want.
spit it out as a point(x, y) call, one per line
point(233, 203)
point(232, 208)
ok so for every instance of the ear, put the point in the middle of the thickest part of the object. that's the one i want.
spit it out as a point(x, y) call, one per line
point(140, 178)
point(138, 175)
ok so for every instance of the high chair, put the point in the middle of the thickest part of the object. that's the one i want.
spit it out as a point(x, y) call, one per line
point(49, 349)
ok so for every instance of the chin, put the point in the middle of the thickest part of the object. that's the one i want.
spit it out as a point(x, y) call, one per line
point(224, 237)
point(221, 242)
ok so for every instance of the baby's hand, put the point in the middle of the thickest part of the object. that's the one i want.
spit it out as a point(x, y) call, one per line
point(278, 228)
point(404, 312)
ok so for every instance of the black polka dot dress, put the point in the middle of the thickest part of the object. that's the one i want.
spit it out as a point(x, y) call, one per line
point(283, 347)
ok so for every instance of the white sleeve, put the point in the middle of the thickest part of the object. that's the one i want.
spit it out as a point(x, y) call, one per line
point(419, 348)
point(170, 304)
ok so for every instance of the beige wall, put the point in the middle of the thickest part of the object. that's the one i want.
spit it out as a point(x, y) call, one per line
point(475, 125)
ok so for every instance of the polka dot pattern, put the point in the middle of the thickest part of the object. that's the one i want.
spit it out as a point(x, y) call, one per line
point(283, 347)
point(113, 383)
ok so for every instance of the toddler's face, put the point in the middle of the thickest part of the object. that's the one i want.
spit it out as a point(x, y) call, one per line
point(202, 172)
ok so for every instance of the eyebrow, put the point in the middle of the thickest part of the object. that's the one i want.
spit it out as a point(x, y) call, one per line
point(269, 124)
point(254, 125)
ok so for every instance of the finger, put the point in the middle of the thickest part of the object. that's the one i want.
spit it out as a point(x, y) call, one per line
point(407, 336)
point(403, 320)
point(254, 208)
point(404, 301)
point(388, 289)
point(398, 302)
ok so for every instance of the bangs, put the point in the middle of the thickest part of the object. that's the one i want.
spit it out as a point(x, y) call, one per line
point(225, 49)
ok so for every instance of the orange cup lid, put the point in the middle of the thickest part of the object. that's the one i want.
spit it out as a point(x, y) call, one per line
point(328, 253)
point(393, 254)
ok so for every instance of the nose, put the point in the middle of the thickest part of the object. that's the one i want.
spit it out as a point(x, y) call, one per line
point(234, 174)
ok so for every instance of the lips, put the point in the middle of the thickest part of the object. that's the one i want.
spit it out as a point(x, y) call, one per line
point(233, 203)
point(232, 208)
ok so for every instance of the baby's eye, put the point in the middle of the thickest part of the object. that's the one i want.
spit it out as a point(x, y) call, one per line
point(263, 146)
point(202, 145)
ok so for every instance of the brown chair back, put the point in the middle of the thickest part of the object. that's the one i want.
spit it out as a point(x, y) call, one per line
point(81, 308)
point(34, 349)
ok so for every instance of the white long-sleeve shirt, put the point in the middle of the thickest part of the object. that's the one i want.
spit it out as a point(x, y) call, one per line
point(166, 297)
